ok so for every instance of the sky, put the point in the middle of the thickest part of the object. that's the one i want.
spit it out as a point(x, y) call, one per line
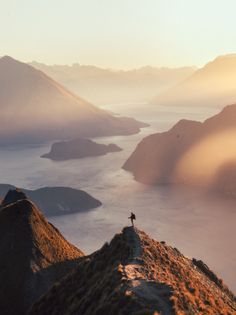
point(118, 33)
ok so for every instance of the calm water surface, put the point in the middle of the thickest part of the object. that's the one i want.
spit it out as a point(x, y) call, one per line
point(200, 225)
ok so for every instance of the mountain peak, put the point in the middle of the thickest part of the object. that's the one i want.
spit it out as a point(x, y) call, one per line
point(8, 61)
point(135, 274)
point(12, 196)
point(211, 85)
point(34, 255)
point(7, 58)
point(60, 113)
point(227, 56)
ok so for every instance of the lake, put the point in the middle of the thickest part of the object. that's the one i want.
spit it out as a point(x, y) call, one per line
point(200, 224)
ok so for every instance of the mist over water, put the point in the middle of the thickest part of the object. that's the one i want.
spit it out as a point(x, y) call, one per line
point(201, 225)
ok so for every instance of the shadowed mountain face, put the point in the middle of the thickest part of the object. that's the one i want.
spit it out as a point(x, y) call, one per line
point(13, 195)
point(214, 84)
point(52, 200)
point(202, 154)
point(110, 86)
point(137, 275)
point(42, 109)
point(34, 255)
point(79, 148)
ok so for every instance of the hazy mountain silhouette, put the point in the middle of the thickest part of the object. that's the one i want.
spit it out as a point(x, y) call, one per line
point(113, 86)
point(214, 85)
point(136, 275)
point(54, 200)
point(79, 148)
point(202, 154)
point(36, 108)
point(34, 255)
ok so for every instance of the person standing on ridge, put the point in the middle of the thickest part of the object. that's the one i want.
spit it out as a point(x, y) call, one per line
point(132, 218)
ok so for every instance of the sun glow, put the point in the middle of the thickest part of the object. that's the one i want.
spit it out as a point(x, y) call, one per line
point(203, 163)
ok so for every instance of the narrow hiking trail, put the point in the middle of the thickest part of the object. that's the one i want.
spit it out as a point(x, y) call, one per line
point(157, 294)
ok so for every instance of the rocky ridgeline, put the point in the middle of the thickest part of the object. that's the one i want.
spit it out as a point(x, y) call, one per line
point(34, 254)
point(137, 275)
point(133, 274)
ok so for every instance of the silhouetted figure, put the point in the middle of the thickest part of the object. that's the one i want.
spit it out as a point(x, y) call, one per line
point(132, 218)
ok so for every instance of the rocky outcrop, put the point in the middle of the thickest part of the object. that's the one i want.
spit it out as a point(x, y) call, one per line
point(34, 255)
point(79, 148)
point(135, 274)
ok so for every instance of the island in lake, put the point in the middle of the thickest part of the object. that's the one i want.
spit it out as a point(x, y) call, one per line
point(52, 201)
point(79, 148)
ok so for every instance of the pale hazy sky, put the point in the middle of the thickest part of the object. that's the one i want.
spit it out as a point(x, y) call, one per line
point(118, 33)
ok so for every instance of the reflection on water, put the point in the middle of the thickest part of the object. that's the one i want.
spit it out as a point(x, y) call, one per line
point(200, 225)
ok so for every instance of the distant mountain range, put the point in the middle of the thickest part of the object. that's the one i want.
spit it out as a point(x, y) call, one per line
point(135, 274)
point(34, 255)
point(192, 153)
point(55, 201)
point(105, 86)
point(35, 108)
point(212, 85)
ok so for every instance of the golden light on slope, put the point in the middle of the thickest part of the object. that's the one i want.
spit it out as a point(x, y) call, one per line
point(203, 162)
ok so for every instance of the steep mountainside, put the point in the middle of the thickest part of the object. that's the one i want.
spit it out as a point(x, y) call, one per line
point(42, 109)
point(114, 86)
point(79, 148)
point(34, 255)
point(202, 154)
point(57, 200)
point(137, 275)
point(212, 85)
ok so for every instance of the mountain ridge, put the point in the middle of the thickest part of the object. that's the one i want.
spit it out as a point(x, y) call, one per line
point(140, 276)
point(211, 85)
point(183, 154)
point(115, 86)
point(44, 110)
point(34, 255)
